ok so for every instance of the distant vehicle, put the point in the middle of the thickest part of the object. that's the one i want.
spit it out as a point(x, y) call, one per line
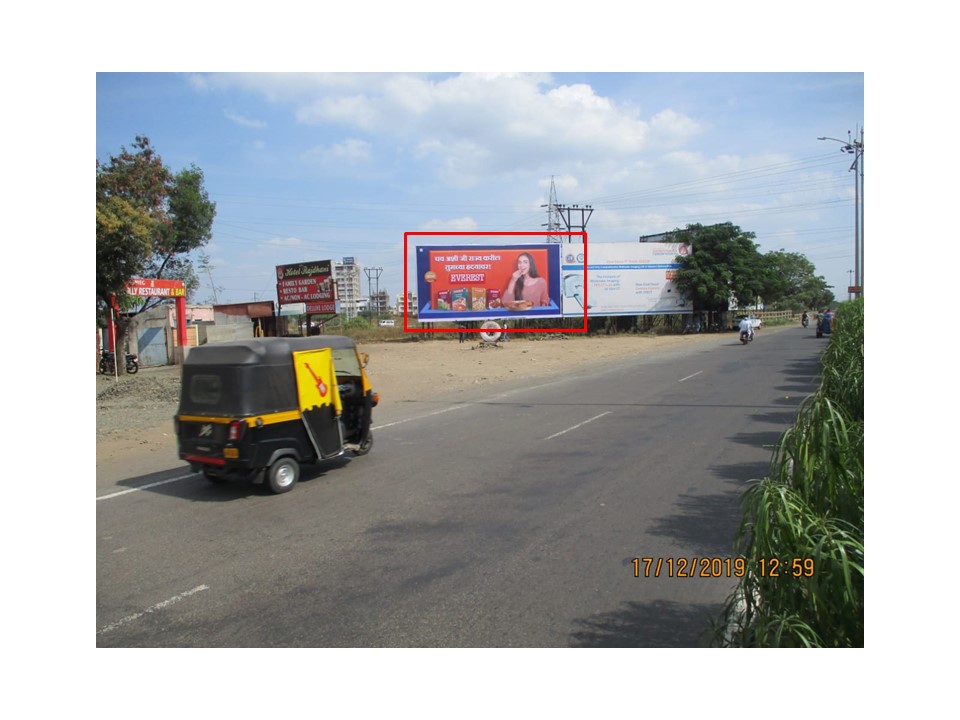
point(825, 323)
point(755, 322)
point(387, 323)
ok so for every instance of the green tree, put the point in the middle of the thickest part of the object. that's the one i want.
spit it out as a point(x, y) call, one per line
point(795, 285)
point(149, 220)
point(723, 265)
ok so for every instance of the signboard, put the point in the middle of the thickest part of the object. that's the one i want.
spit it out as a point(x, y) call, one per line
point(623, 279)
point(142, 287)
point(310, 283)
point(327, 307)
point(483, 282)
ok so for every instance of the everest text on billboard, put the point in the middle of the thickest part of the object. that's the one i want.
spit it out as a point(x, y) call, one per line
point(623, 279)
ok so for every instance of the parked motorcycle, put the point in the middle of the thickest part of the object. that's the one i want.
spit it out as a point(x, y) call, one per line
point(107, 360)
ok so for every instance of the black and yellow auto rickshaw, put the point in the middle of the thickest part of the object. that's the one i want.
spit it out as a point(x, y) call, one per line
point(256, 409)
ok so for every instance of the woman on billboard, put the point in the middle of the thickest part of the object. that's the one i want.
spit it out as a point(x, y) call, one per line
point(526, 285)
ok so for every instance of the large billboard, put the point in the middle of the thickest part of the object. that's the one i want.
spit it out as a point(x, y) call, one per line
point(310, 283)
point(623, 279)
point(482, 282)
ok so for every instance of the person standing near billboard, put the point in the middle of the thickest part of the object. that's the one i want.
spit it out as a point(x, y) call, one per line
point(526, 284)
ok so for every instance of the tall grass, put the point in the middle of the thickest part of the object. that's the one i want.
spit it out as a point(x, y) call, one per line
point(810, 507)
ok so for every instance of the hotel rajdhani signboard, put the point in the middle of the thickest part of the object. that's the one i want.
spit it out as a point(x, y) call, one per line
point(310, 283)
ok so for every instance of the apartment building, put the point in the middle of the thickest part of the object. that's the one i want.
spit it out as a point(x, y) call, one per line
point(347, 276)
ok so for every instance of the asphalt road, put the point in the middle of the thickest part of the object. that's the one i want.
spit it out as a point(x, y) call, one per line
point(505, 520)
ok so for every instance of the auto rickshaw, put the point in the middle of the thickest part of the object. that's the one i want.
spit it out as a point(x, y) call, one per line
point(825, 322)
point(257, 409)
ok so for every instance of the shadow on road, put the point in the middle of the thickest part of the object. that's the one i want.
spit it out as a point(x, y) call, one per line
point(658, 624)
point(185, 484)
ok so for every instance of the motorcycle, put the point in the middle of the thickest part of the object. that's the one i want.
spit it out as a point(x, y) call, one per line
point(107, 360)
point(805, 320)
point(746, 337)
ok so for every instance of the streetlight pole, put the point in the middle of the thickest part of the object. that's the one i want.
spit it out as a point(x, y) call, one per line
point(854, 146)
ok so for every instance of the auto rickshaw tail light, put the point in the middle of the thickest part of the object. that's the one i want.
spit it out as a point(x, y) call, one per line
point(236, 428)
point(376, 399)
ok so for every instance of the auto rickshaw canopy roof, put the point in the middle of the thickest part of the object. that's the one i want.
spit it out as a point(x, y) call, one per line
point(263, 351)
point(242, 378)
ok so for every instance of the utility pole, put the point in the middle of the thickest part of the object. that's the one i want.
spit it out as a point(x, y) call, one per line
point(373, 274)
point(854, 146)
point(565, 212)
point(205, 267)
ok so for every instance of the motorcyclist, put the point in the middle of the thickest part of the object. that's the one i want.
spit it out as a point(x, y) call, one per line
point(805, 320)
point(746, 327)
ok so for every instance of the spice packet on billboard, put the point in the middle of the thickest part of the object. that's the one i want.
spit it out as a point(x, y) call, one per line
point(443, 300)
point(478, 298)
point(493, 299)
point(459, 300)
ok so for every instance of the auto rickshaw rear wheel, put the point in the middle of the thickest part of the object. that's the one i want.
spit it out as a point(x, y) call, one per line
point(283, 475)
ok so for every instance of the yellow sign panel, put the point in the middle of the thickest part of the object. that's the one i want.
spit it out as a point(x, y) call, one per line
point(316, 380)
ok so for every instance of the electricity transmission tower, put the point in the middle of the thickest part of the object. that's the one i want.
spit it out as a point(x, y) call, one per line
point(373, 275)
point(565, 213)
point(553, 216)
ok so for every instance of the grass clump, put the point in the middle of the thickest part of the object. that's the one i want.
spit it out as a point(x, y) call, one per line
point(804, 521)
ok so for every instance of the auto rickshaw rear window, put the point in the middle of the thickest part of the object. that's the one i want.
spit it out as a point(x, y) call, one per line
point(206, 389)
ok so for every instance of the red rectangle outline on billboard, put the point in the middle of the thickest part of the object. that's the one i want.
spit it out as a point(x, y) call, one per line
point(407, 235)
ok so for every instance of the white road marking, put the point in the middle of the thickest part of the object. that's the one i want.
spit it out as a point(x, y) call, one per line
point(578, 425)
point(690, 376)
point(468, 403)
point(144, 487)
point(458, 406)
point(159, 606)
point(419, 417)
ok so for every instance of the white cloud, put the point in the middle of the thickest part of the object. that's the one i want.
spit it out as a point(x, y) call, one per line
point(286, 242)
point(463, 224)
point(352, 110)
point(349, 152)
point(470, 127)
point(670, 126)
point(244, 121)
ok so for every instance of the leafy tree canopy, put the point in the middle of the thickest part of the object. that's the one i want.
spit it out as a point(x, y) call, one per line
point(149, 220)
point(725, 264)
point(795, 286)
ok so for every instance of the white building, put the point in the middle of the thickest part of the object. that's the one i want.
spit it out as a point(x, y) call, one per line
point(411, 304)
point(347, 275)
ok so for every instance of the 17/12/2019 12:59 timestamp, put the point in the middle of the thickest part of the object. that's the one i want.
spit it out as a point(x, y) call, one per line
point(707, 567)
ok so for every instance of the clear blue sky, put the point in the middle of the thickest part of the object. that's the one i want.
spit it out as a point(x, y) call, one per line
point(320, 166)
